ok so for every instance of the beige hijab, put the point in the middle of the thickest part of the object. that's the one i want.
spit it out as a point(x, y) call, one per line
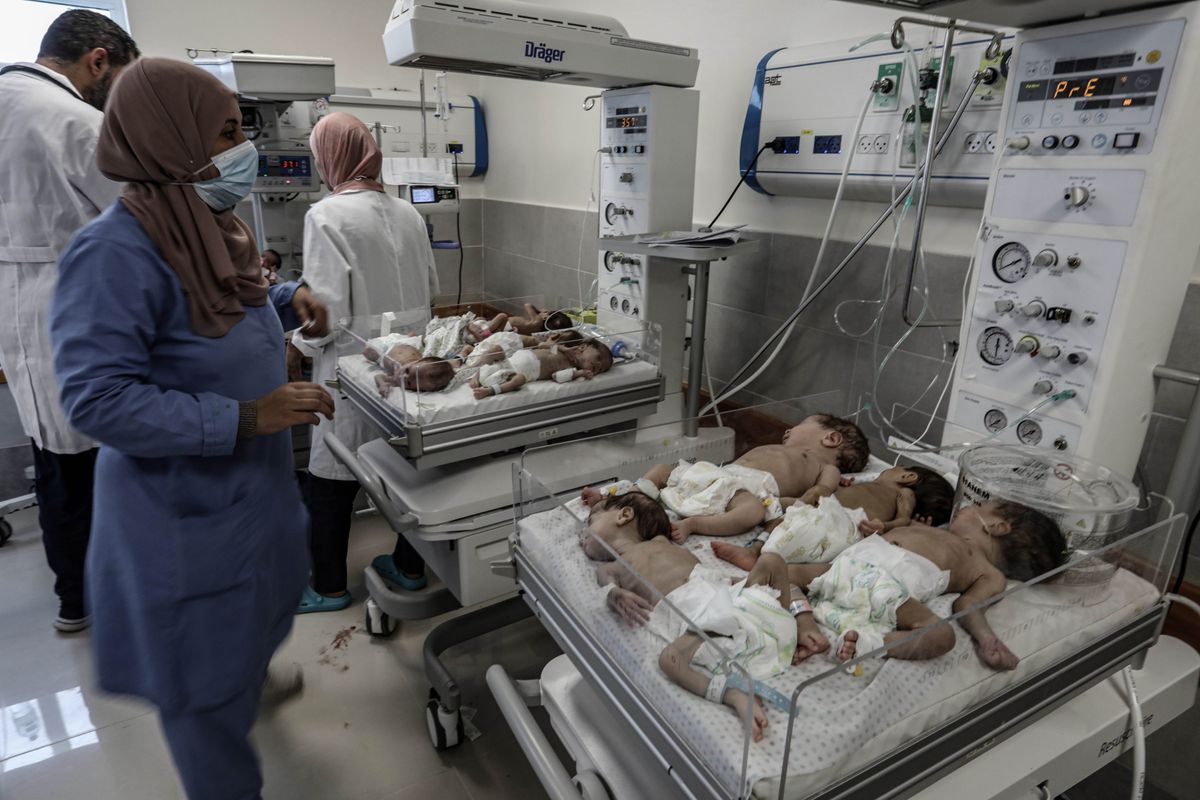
point(346, 152)
point(161, 121)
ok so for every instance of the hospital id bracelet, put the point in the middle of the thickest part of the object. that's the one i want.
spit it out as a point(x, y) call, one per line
point(800, 605)
point(247, 419)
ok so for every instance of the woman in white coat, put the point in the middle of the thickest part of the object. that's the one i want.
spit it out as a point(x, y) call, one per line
point(365, 253)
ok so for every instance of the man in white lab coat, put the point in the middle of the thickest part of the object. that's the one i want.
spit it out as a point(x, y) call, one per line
point(49, 188)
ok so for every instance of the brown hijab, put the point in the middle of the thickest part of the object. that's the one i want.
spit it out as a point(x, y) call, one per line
point(162, 118)
point(347, 154)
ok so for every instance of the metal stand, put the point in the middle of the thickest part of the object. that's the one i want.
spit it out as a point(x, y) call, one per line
point(699, 258)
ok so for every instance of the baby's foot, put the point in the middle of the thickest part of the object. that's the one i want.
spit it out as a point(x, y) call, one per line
point(849, 646)
point(740, 557)
point(738, 700)
point(809, 639)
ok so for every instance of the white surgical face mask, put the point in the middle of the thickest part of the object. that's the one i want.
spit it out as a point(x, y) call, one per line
point(238, 167)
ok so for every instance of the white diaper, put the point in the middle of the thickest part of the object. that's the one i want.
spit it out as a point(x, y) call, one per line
point(866, 584)
point(507, 343)
point(747, 622)
point(815, 535)
point(703, 489)
point(522, 362)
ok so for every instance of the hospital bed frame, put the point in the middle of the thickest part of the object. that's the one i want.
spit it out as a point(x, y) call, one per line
point(901, 773)
point(439, 443)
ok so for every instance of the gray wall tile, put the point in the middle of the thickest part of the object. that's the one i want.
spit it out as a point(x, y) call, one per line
point(472, 271)
point(515, 228)
point(472, 221)
point(497, 272)
point(569, 240)
point(741, 282)
point(1174, 398)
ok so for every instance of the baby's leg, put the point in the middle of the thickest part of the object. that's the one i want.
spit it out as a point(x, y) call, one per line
point(804, 574)
point(922, 634)
point(676, 663)
point(498, 322)
point(744, 513)
point(741, 557)
point(531, 311)
point(771, 570)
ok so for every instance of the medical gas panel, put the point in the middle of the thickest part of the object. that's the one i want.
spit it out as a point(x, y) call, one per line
point(812, 96)
point(1089, 237)
point(647, 182)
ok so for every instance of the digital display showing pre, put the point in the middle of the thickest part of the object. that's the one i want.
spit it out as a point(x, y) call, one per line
point(1095, 86)
point(1081, 86)
point(280, 166)
point(629, 121)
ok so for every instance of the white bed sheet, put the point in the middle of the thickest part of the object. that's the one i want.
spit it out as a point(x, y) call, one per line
point(844, 722)
point(430, 407)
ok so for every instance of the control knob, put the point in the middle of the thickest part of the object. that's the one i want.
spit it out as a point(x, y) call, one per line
point(1004, 306)
point(1043, 387)
point(1034, 309)
point(1077, 196)
point(1051, 352)
point(1019, 142)
point(1046, 258)
point(1027, 344)
point(1077, 358)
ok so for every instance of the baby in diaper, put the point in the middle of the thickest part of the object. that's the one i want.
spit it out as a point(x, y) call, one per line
point(562, 364)
point(875, 592)
point(402, 363)
point(535, 320)
point(734, 498)
point(815, 534)
point(757, 624)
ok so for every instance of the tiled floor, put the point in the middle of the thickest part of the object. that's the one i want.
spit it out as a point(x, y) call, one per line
point(358, 731)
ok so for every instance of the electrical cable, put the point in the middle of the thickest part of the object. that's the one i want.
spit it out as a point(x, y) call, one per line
point(1139, 735)
point(862, 241)
point(458, 229)
point(582, 229)
point(816, 267)
point(1184, 601)
point(1177, 586)
point(741, 180)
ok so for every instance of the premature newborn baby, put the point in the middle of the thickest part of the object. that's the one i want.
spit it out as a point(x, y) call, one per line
point(499, 373)
point(404, 365)
point(534, 321)
point(816, 533)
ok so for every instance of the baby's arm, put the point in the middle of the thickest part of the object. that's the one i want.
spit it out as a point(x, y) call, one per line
point(827, 483)
point(659, 474)
point(630, 606)
point(992, 651)
point(906, 502)
point(510, 385)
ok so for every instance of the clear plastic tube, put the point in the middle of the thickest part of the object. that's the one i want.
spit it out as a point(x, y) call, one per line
point(1139, 735)
point(812, 277)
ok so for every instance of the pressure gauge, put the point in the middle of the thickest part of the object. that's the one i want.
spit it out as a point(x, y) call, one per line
point(1011, 262)
point(614, 303)
point(995, 420)
point(995, 346)
point(609, 258)
point(1029, 432)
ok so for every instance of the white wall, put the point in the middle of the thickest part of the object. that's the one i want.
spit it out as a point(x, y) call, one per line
point(348, 31)
point(543, 144)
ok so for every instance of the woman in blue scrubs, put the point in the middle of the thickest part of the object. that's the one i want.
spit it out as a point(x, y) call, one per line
point(170, 352)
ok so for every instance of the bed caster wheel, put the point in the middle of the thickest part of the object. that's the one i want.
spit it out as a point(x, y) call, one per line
point(591, 786)
point(5, 531)
point(377, 622)
point(445, 727)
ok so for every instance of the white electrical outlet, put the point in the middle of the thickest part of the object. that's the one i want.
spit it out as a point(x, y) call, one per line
point(866, 143)
point(882, 142)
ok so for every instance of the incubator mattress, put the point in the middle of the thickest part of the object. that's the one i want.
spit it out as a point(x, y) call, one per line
point(845, 721)
point(434, 407)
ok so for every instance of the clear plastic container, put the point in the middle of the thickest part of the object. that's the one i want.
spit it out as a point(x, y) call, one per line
point(1092, 505)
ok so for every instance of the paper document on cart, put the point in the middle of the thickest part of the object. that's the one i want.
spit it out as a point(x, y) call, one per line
point(718, 237)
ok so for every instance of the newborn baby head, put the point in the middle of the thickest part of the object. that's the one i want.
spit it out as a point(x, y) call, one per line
point(558, 321)
point(827, 432)
point(632, 515)
point(592, 356)
point(397, 359)
point(935, 495)
point(428, 374)
point(1026, 542)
